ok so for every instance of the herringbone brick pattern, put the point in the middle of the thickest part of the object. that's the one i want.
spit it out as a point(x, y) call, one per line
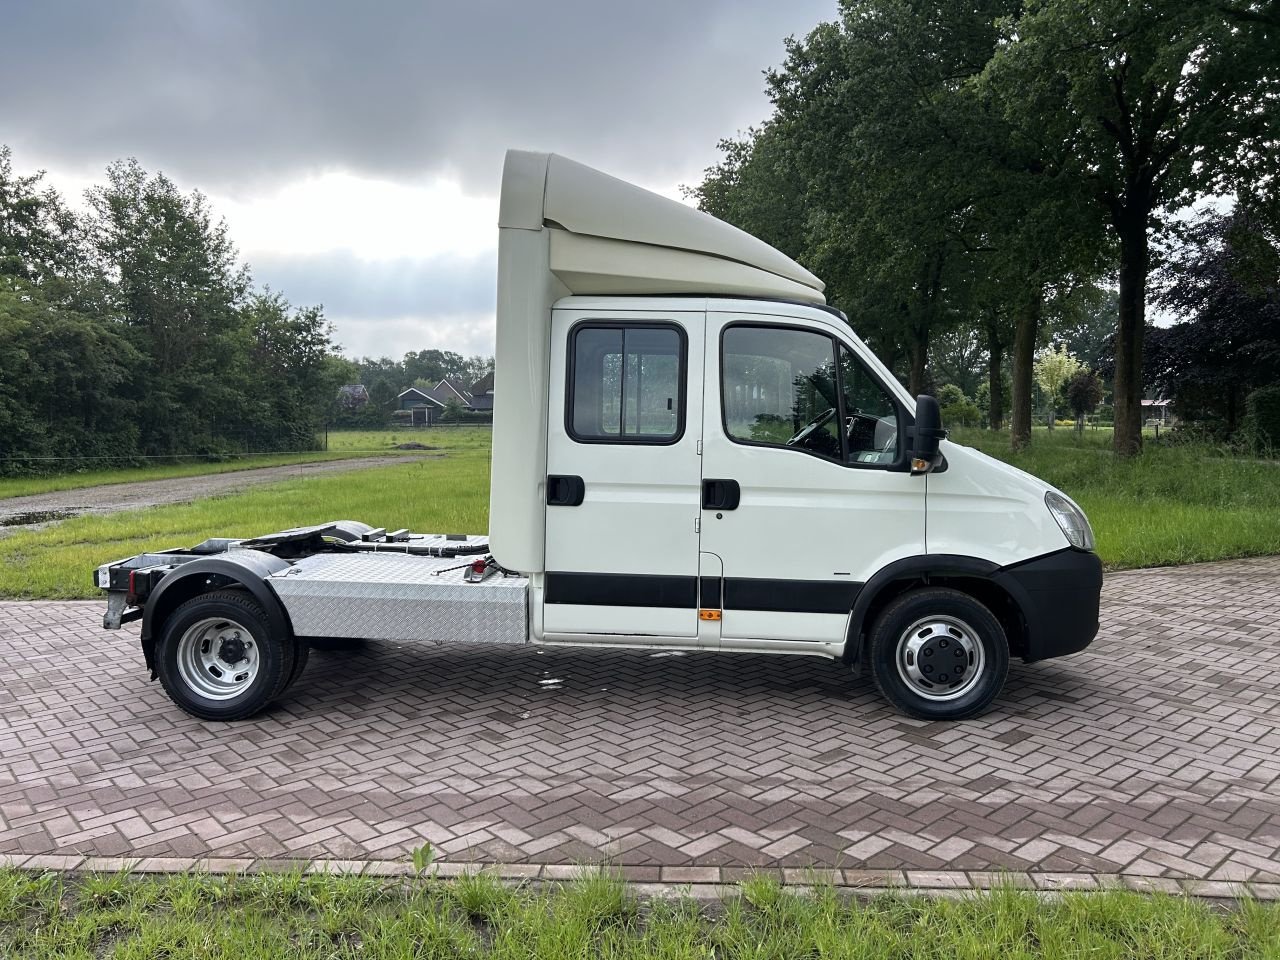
point(1156, 752)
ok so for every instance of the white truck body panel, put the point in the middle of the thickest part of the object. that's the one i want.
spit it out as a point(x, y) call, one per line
point(982, 507)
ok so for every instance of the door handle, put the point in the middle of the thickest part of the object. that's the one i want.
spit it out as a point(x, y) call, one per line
point(721, 494)
point(565, 491)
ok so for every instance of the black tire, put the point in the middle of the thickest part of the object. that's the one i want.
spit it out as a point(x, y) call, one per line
point(190, 663)
point(301, 653)
point(922, 630)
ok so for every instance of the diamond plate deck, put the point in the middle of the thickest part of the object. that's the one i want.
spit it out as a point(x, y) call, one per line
point(390, 596)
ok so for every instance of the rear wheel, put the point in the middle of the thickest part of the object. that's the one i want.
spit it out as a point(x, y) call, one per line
point(939, 654)
point(218, 659)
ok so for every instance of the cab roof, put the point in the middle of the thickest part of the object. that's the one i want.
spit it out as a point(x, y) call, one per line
point(611, 237)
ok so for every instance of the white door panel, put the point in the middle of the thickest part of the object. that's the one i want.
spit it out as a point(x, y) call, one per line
point(808, 530)
point(625, 560)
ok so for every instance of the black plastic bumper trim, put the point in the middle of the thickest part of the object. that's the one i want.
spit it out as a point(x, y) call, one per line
point(1059, 595)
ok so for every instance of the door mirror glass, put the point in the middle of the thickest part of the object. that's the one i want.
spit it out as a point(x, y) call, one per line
point(926, 450)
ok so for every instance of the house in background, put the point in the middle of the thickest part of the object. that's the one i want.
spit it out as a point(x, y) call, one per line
point(1157, 411)
point(482, 394)
point(424, 409)
point(427, 404)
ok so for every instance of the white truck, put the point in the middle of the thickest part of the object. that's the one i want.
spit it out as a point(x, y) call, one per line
point(691, 451)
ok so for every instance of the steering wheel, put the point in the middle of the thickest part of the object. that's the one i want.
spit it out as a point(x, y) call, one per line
point(817, 423)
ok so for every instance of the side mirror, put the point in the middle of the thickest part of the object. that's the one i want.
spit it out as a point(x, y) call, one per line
point(926, 453)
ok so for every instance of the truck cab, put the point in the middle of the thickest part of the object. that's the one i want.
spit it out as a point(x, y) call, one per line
point(691, 451)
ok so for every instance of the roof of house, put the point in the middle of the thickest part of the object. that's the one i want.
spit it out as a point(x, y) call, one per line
point(419, 393)
point(483, 385)
point(357, 391)
point(447, 386)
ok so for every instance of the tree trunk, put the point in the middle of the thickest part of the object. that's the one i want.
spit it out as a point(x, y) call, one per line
point(995, 387)
point(918, 351)
point(1134, 262)
point(1024, 355)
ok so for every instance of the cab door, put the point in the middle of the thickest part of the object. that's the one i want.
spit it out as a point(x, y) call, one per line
point(807, 488)
point(624, 476)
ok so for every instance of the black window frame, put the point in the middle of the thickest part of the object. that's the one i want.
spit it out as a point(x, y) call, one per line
point(571, 381)
point(897, 465)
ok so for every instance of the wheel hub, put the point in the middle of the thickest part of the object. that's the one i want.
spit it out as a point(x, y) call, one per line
point(217, 658)
point(231, 650)
point(940, 658)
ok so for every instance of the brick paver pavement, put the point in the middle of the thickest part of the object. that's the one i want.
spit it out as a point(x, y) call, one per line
point(1156, 752)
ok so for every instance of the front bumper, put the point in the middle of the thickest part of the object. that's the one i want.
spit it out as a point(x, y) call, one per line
point(1059, 595)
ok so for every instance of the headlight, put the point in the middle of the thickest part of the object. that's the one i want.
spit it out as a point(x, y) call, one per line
point(1071, 519)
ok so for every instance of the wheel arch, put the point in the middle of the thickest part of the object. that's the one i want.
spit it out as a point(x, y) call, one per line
point(206, 575)
point(969, 575)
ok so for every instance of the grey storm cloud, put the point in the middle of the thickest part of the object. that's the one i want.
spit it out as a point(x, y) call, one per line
point(237, 94)
point(386, 307)
point(381, 289)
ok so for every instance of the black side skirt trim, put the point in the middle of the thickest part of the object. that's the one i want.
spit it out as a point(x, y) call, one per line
point(622, 590)
point(790, 596)
point(640, 590)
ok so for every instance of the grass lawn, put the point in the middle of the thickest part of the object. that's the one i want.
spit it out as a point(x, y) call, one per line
point(276, 916)
point(449, 495)
point(1172, 505)
point(343, 445)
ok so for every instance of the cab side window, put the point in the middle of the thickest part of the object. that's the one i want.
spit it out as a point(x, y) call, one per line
point(778, 388)
point(802, 390)
point(870, 414)
point(626, 383)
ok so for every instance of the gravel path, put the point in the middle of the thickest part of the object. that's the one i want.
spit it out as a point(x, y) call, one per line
point(30, 512)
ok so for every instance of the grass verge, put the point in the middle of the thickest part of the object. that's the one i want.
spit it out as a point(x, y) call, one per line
point(343, 445)
point(275, 916)
point(444, 495)
point(1169, 506)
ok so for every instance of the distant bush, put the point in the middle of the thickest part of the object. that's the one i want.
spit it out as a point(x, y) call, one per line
point(1261, 428)
point(1196, 433)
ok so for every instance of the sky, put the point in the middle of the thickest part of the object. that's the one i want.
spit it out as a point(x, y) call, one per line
point(355, 150)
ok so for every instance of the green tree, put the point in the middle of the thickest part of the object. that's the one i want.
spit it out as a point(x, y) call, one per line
point(174, 282)
point(890, 171)
point(1156, 104)
point(1084, 393)
point(40, 239)
point(1222, 281)
point(1053, 369)
point(293, 350)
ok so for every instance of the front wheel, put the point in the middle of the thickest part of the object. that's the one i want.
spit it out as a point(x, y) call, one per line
point(218, 659)
point(938, 654)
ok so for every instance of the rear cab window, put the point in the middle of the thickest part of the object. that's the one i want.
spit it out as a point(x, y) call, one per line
point(626, 382)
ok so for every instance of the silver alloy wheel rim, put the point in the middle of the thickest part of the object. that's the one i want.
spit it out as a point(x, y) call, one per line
point(940, 658)
point(218, 658)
